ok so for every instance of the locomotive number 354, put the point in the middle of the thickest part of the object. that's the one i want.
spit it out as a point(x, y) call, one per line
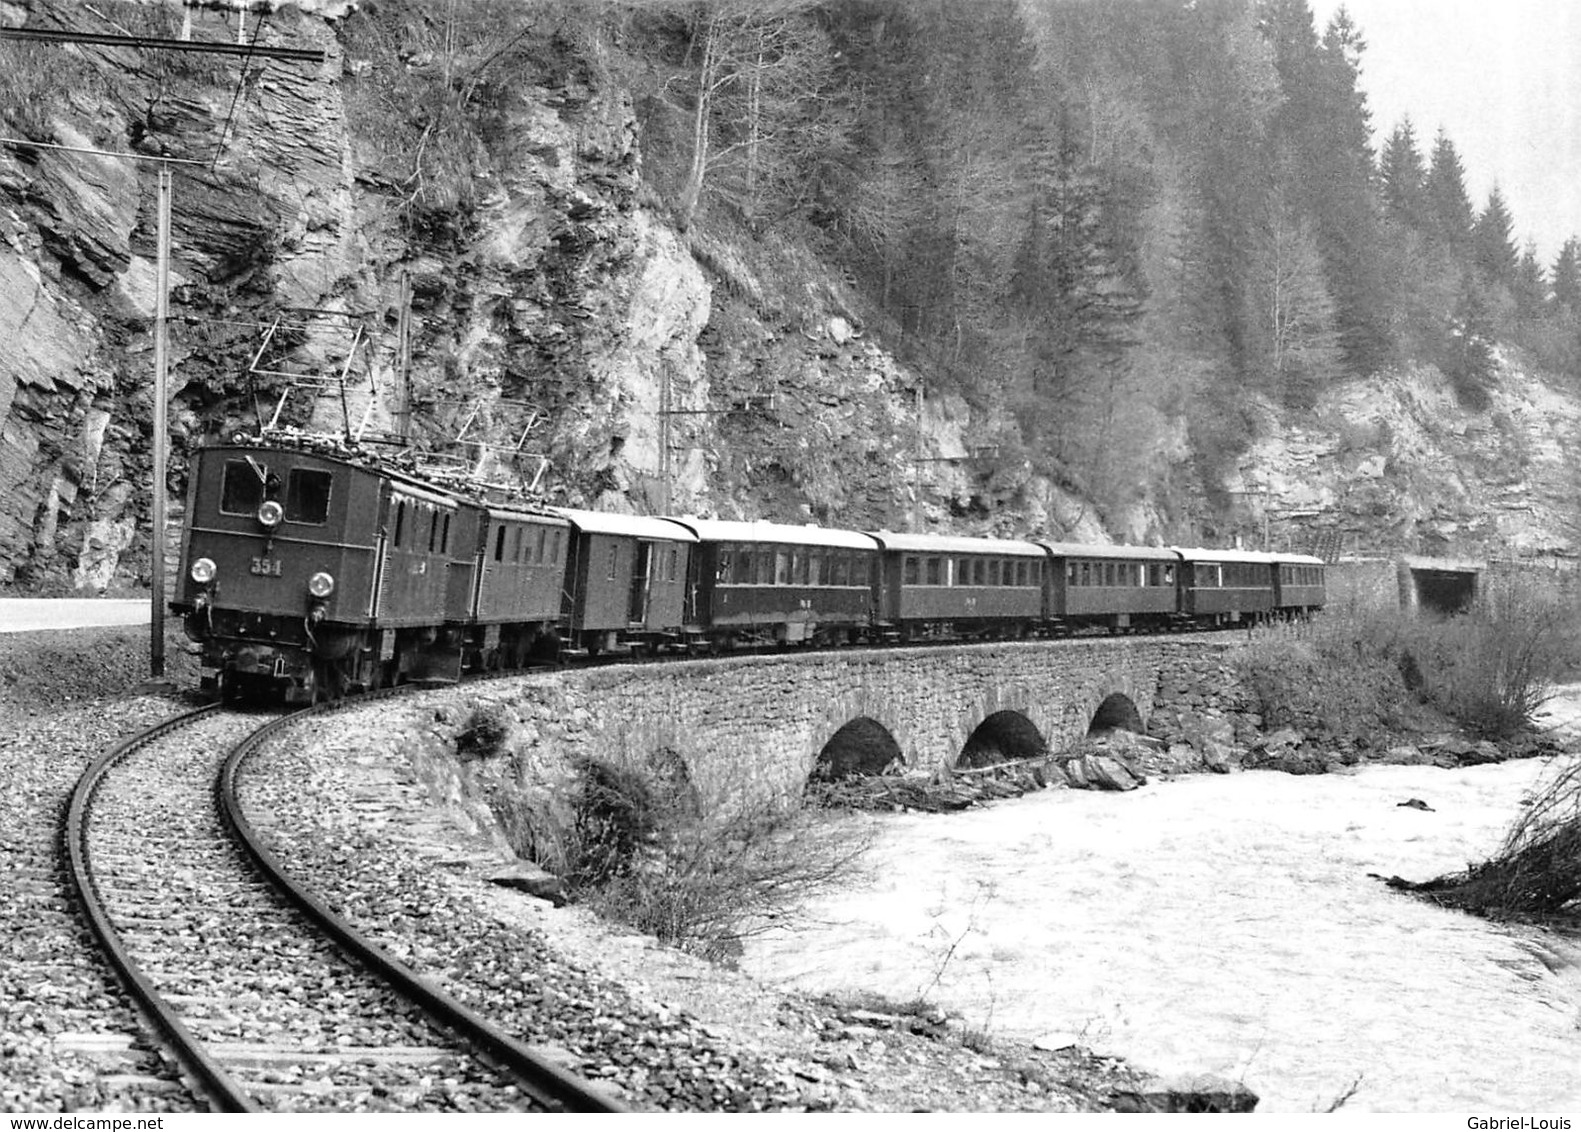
point(268, 567)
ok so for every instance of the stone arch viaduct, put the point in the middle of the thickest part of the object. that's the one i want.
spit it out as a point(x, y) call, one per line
point(759, 725)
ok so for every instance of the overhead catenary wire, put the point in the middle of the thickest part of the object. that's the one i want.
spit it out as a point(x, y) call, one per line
point(241, 81)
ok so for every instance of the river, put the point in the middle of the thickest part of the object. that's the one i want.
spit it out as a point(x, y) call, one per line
point(1224, 924)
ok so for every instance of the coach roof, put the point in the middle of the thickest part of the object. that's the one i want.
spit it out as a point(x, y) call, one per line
point(957, 544)
point(733, 530)
point(634, 526)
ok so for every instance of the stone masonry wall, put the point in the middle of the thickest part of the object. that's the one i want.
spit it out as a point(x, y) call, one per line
point(753, 727)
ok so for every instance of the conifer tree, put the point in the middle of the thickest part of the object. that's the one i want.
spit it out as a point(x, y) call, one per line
point(1493, 246)
point(1567, 279)
point(1448, 207)
point(1529, 287)
point(1401, 176)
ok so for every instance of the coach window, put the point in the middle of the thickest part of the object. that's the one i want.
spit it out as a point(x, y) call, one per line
point(815, 570)
point(400, 521)
point(499, 543)
point(444, 535)
point(726, 567)
point(932, 572)
point(913, 571)
point(614, 561)
point(307, 495)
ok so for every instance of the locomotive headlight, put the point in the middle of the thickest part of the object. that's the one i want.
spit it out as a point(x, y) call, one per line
point(270, 513)
point(321, 584)
point(203, 571)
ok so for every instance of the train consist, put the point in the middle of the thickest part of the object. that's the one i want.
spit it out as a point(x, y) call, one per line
point(310, 570)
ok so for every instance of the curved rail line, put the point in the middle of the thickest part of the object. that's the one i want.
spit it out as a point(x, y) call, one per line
point(544, 1082)
point(222, 1091)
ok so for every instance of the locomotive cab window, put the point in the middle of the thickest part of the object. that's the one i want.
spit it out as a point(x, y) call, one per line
point(307, 495)
point(241, 492)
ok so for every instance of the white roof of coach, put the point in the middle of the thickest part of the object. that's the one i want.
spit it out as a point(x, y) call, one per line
point(735, 530)
point(957, 544)
point(635, 526)
point(1202, 554)
point(1090, 550)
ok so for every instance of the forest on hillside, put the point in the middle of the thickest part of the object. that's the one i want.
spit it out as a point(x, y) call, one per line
point(1130, 234)
point(1116, 227)
point(1096, 220)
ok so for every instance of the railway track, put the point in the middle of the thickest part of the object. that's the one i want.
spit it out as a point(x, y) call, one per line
point(234, 966)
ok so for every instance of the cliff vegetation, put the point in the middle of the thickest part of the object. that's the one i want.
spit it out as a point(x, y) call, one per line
point(1144, 271)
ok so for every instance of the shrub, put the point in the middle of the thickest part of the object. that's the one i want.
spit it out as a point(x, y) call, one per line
point(487, 731)
point(1351, 674)
point(1494, 667)
point(641, 852)
point(1337, 676)
point(1537, 870)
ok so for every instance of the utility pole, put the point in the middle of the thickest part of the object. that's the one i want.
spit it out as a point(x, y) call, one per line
point(156, 621)
point(156, 615)
point(403, 361)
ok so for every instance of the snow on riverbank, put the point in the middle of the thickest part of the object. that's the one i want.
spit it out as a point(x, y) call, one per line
point(1228, 925)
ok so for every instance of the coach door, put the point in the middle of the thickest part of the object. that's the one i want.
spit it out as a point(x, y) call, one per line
point(637, 612)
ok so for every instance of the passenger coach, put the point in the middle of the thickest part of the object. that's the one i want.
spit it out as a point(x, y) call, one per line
point(1300, 585)
point(1221, 587)
point(773, 583)
point(1115, 587)
point(625, 586)
point(942, 586)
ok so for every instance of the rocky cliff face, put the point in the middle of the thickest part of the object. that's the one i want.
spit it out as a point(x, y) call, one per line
point(1393, 463)
point(555, 315)
point(560, 316)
